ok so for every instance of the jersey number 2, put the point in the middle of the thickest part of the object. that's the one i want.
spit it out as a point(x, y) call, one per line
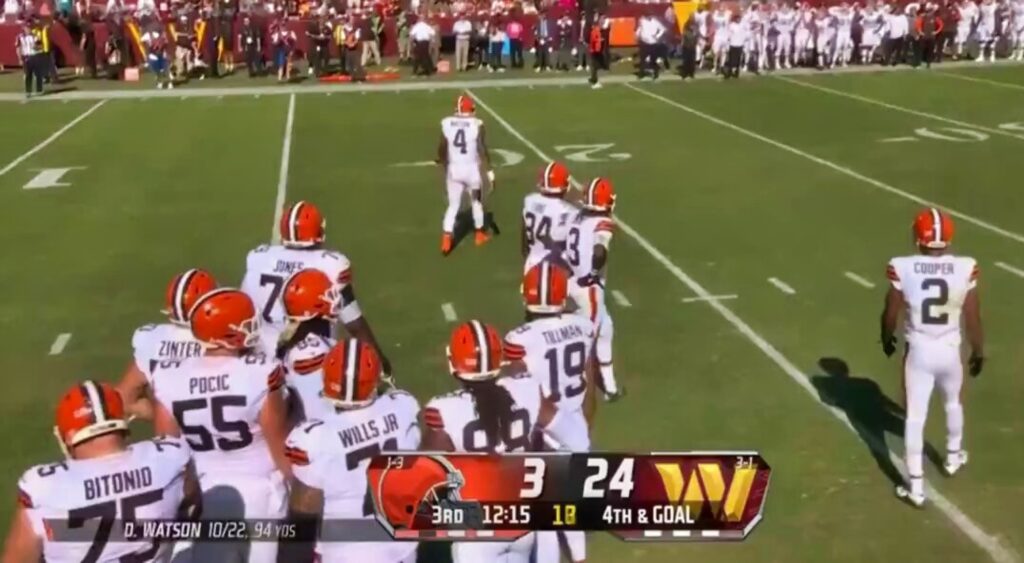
point(927, 316)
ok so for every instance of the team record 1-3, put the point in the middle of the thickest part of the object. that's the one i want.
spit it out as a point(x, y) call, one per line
point(658, 496)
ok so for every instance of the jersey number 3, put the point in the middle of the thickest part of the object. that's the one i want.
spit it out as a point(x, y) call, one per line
point(928, 316)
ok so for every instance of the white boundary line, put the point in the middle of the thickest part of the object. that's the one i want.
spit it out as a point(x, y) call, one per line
point(448, 310)
point(620, 298)
point(1009, 85)
point(838, 168)
point(782, 286)
point(282, 177)
point(895, 107)
point(859, 280)
point(59, 343)
point(991, 544)
point(1015, 271)
point(51, 138)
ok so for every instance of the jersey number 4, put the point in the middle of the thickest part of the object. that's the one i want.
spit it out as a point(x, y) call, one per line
point(928, 316)
point(199, 437)
point(460, 140)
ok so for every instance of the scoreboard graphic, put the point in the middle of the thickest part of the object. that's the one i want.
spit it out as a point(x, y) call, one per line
point(659, 496)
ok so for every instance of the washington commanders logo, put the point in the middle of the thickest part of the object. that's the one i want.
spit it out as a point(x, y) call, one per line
point(729, 489)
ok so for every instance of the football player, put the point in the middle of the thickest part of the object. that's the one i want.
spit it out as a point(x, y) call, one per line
point(462, 150)
point(496, 410)
point(546, 215)
point(153, 343)
point(554, 347)
point(311, 303)
point(229, 404)
point(329, 457)
point(103, 477)
point(268, 267)
point(586, 252)
point(986, 30)
point(933, 288)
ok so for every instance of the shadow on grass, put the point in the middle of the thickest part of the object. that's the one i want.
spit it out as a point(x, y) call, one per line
point(464, 226)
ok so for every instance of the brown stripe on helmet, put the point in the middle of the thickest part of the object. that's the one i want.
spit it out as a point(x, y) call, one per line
point(482, 347)
point(179, 294)
point(87, 398)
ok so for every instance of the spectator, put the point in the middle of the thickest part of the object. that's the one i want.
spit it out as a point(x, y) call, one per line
point(404, 45)
point(87, 43)
point(496, 38)
point(649, 33)
point(351, 58)
point(370, 33)
point(421, 34)
point(691, 34)
point(12, 9)
point(284, 42)
point(481, 40)
point(225, 25)
point(251, 42)
point(606, 39)
point(435, 42)
point(318, 33)
point(898, 28)
point(463, 30)
point(514, 30)
point(564, 41)
point(156, 55)
point(542, 37)
point(737, 39)
point(595, 46)
point(929, 27)
point(29, 47)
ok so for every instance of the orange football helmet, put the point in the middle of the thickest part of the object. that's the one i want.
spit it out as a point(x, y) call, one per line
point(464, 106)
point(225, 318)
point(545, 288)
point(87, 410)
point(302, 226)
point(352, 372)
point(311, 294)
point(474, 351)
point(600, 196)
point(933, 229)
point(184, 290)
point(410, 486)
point(554, 179)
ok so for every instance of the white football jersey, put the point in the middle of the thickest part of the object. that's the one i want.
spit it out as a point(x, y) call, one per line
point(463, 134)
point(823, 26)
point(701, 18)
point(545, 218)
point(217, 402)
point(987, 15)
point(305, 376)
point(1018, 14)
point(144, 482)
point(785, 20)
point(586, 232)
point(456, 414)
point(934, 289)
point(154, 343)
point(268, 267)
point(721, 20)
point(555, 351)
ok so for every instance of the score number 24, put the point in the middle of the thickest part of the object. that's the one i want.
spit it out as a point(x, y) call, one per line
point(594, 486)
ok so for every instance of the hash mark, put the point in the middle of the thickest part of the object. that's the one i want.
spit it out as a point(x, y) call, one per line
point(859, 280)
point(620, 298)
point(449, 312)
point(1015, 271)
point(58, 345)
point(782, 286)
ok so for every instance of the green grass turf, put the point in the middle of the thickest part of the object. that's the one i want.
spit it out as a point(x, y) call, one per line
point(172, 184)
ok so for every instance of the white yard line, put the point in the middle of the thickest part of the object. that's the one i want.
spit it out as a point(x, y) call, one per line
point(1015, 271)
point(991, 544)
point(282, 177)
point(837, 167)
point(59, 343)
point(903, 109)
point(620, 298)
point(1009, 85)
point(782, 286)
point(861, 281)
point(448, 310)
point(709, 298)
point(51, 138)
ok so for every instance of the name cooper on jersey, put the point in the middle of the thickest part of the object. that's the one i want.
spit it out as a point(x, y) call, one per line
point(932, 268)
point(367, 431)
point(117, 483)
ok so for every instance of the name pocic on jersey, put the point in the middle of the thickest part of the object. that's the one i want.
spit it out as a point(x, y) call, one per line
point(209, 530)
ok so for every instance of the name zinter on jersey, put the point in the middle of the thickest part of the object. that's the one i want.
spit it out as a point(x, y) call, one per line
point(932, 268)
point(367, 431)
point(180, 349)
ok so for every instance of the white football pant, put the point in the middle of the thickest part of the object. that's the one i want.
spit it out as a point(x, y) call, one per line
point(549, 550)
point(589, 302)
point(923, 367)
point(783, 50)
point(843, 48)
point(463, 179)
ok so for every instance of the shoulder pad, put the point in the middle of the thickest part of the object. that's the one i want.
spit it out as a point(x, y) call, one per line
point(38, 482)
point(172, 447)
point(300, 447)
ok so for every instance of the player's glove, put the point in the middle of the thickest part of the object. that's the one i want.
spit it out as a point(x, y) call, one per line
point(593, 278)
point(889, 346)
point(975, 364)
point(490, 176)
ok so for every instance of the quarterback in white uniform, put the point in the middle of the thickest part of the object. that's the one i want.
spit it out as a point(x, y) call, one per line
point(932, 289)
point(546, 216)
point(153, 343)
point(268, 267)
point(103, 476)
point(330, 456)
point(462, 150)
point(554, 347)
point(495, 411)
point(229, 405)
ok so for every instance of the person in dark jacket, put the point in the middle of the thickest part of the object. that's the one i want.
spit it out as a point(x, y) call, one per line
point(689, 48)
point(250, 41)
point(928, 27)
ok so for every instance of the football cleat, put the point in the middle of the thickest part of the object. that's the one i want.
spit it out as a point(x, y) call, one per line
point(933, 229)
point(614, 397)
point(955, 461)
point(600, 196)
point(352, 373)
point(482, 238)
point(310, 294)
point(545, 288)
point(225, 318)
point(915, 499)
point(302, 226)
point(474, 351)
point(87, 410)
point(182, 293)
point(554, 179)
point(446, 244)
point(464, 106)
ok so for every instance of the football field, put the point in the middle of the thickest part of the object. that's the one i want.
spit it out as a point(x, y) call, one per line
point(755, 220)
